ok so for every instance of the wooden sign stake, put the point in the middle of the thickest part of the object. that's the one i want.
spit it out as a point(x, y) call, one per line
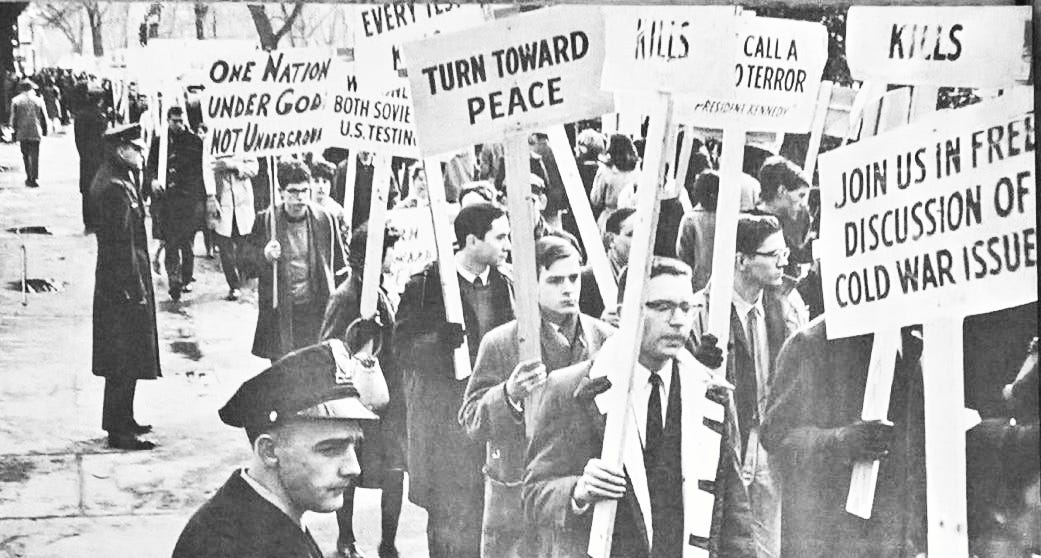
point(596, 254)
point(443, 236)
point(631, 330)
point(273, 183)
point(373, 268)
point(348, 188)
point(522, 229)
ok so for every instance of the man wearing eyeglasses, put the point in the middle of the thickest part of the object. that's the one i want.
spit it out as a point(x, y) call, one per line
point(761, 319)
point(307, 247)
point(564, 477)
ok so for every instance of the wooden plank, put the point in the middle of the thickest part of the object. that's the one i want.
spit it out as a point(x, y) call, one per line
point(522, 241)
point(373, 270)
point(596, 254)
point(348, 188)
point(817, 127)
point(631, 326)
point(273, 185)
point(945, 469)
point(443, 237)
point(686, 150)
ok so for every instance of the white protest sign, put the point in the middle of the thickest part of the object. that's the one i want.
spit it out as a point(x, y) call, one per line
point(415, 248)
point(773, 82)
point(944, 46)
point(380, 123)
point(267, 103)
point(929, 217)
point(678, 49)
point(382, 28)
point(519, 74)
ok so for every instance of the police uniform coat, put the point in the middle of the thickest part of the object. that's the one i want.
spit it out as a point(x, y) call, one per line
point(274, 335)
point(489, 419)
point(125, 338)
point(239, 523)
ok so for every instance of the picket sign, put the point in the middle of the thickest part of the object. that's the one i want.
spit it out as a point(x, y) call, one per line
point(272, 175)
point(890, 111)
point(496, 99)
point(596, 254)
point(373, 270)
point(443, 237)
point(620, 435)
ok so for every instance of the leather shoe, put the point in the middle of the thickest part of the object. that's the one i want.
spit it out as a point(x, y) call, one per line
point(348, 550)
point(129, 442)
point(136, 428)
point(387, 551)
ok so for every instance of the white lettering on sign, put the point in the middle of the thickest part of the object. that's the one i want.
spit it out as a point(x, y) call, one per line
point(773, 83)
point(523, 73)
point(943, 46)
point(930, 216)
point(259, 103)
point(674, 49)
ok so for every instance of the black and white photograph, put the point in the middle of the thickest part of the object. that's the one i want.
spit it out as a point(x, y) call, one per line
point(579, 279)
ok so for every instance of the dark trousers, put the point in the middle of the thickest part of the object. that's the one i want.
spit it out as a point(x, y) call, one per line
point(230, 248)
point(180, 263)
point(31, 159)
point(307, 324)
point(390, 510)
point(117, 414)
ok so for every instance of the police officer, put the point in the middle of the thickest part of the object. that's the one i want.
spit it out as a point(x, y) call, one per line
point(126, 347)
point(302, 418)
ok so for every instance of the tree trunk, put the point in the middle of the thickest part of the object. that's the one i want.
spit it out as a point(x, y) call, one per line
point(269, 38)
point(94, 19)
point(201, 9)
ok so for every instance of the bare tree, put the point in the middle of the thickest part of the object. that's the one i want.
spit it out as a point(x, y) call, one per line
point(269, 38)
point(67, 17)
point(201, 10)
point(96, 19)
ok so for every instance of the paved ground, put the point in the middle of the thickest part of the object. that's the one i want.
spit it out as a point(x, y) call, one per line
point(62, 492)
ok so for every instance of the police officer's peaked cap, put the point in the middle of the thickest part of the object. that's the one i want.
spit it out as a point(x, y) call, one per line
point(125, 133)
point(313, 382)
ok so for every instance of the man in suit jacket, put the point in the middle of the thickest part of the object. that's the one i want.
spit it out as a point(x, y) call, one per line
point(310, 255)
point(493, 407)
point(29, 121)
point(761, 319)
point(444, 463)
point(303, 418)
point(660, 491)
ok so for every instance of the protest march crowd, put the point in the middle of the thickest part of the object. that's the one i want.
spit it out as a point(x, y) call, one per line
point(587, 331)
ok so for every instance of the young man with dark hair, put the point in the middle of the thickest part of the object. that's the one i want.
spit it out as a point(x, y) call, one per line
point(565, 476)
point(785, 193)
point(618, 237)
point(761, 319)
point(382, 454)
point(309, 252)
point(180, 199)
point(493, 407)
point(444, 464)
point(303, 417)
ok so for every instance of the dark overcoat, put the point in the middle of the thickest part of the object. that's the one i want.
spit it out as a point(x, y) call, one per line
point(442, 459)
point(274, 335)
point(818, 387)
point(126, 342)
point(239, 523)
point(180, 207)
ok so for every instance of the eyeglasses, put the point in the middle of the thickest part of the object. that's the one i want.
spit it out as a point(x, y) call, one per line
point(781, 254)
point(298, 191)
point(669, 306)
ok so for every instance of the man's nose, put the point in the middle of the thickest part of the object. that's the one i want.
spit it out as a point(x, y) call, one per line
point(350, 466)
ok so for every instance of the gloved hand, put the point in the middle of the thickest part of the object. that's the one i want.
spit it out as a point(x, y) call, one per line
point(707, 352)
point(865, 440)
point(591, 387)
point(451, 335)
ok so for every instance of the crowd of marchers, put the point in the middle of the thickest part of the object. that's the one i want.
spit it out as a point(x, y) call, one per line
point(506, 462)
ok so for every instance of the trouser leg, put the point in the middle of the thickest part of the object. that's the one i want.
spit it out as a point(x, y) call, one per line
point(172, 259)
point(390, 505)
point(187, 261)
point(117, 415)
point(31, 158)
point(229, 259)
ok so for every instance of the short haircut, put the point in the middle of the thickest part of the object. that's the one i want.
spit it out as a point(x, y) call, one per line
point(660, 265)
point(593, 141)
point(477, 220)
point(552, 248)
point(614, 222)
point(482, 188)
point(360, 238)
point(753, 230)
point(323, 170)
point(292, 172)
point(776, 172)
point(706, 190)
point(175, 111)
point(621, 152)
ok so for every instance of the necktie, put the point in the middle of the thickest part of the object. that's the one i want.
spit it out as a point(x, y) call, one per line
point(655, 430)
point(478, 284)
point(754, 350)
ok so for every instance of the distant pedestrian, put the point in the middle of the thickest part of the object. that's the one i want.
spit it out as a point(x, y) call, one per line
point(234, 216)
point(126, 346)
point(29, 122)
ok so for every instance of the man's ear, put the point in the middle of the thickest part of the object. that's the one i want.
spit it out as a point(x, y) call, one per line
point(264, 447)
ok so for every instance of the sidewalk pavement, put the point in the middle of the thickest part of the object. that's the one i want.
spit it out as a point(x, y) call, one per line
point(62, 491)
